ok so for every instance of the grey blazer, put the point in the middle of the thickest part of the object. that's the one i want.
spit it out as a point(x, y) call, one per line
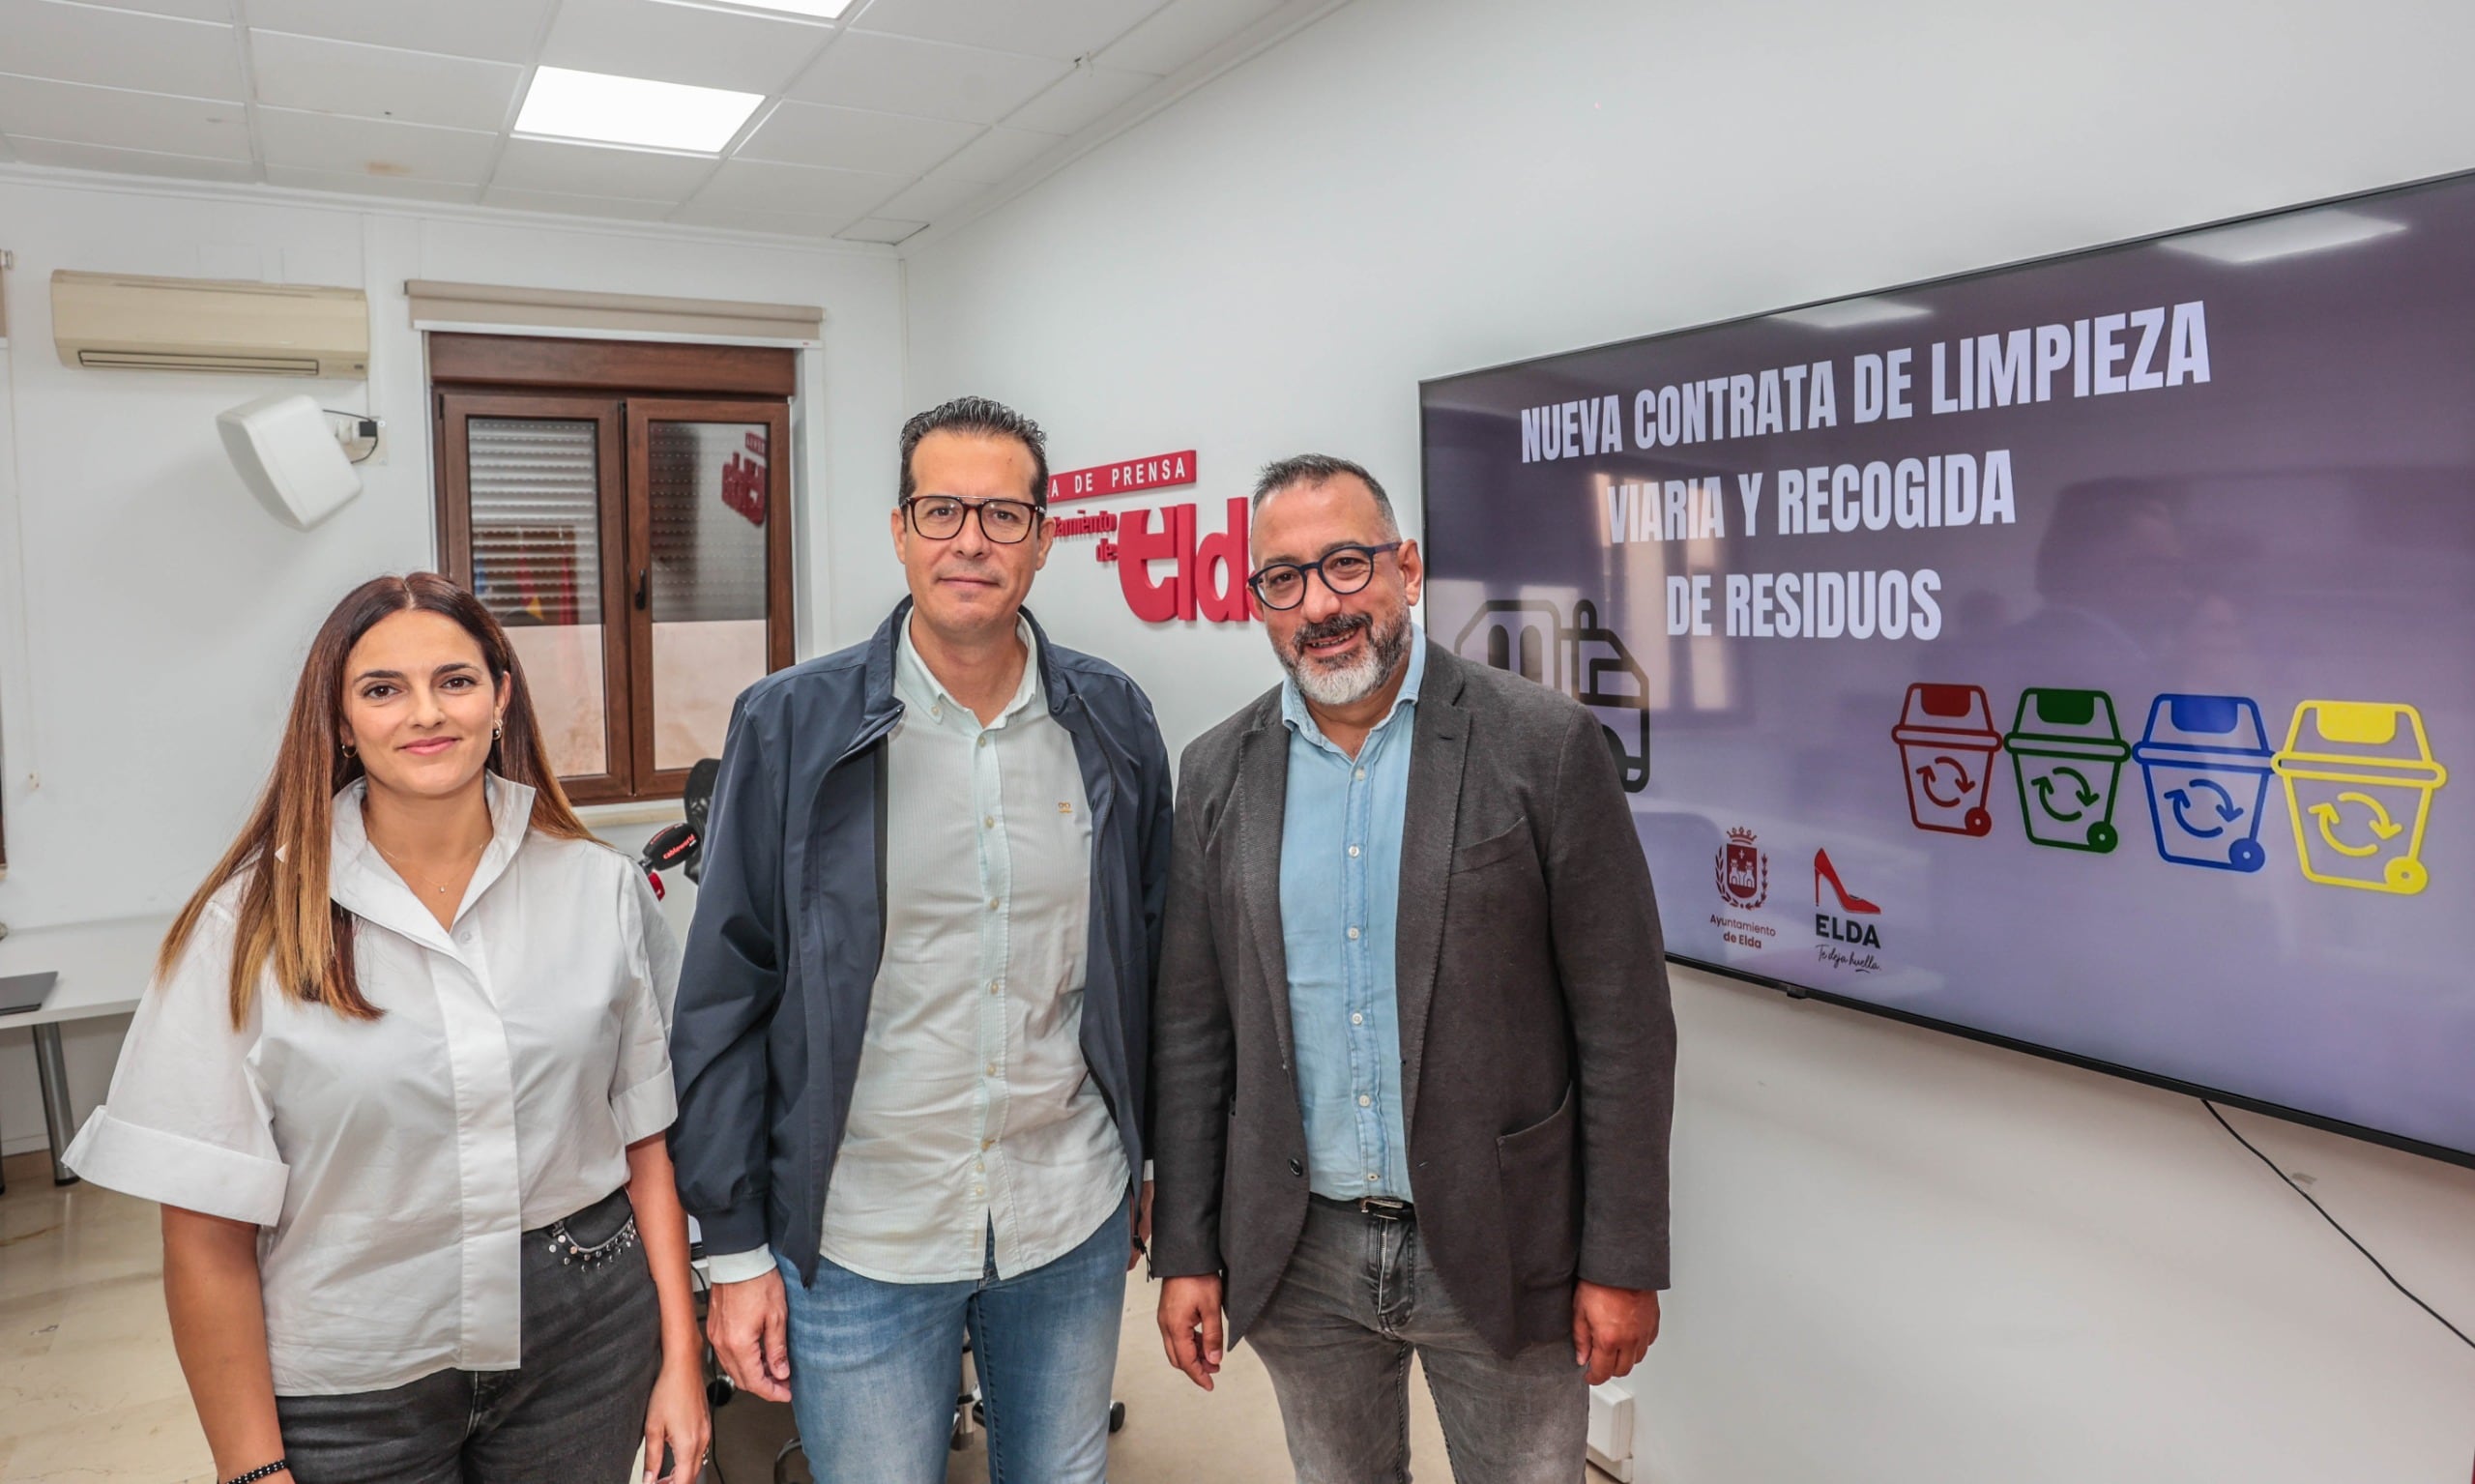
point(1537, 1046)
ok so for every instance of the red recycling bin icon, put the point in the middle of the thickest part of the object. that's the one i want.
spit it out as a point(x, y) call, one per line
point(1946, 746)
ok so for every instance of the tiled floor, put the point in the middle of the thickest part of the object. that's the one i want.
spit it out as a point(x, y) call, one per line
point(90, 1392)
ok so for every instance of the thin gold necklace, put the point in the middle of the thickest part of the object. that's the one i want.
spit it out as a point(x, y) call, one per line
point(402, 869)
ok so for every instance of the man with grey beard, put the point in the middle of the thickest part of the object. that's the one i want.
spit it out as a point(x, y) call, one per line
point(1413, 1054)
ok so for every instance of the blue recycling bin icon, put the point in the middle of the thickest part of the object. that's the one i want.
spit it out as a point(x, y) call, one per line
point(2207, 763)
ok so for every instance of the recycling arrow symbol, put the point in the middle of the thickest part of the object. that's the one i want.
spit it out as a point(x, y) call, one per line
point(2228, 811)
point(2085, 795)
point(1926, 776)
point(2383, 828)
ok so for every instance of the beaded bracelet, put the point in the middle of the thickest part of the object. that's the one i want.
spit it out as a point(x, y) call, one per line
point(255, 1475)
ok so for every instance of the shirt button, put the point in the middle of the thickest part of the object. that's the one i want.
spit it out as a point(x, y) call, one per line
point(995, 986)
point(988, 1144)
point(1356, 1019)
point(988, 822)
point(992, 904)
point(992, 1068)
point(1370, 1177)
point(1359, 775)
point(1365, 1101)
point(1353, 852)
point(983, 739)
point(1352, 932)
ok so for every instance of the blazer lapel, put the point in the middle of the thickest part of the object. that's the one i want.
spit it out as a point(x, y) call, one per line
point(1261, 814)
point(1438, 747)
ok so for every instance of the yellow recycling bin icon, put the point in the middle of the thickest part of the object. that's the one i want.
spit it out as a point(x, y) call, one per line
point(2359, 782)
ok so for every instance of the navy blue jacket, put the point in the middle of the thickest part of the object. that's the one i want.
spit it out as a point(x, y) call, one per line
point(790, 924)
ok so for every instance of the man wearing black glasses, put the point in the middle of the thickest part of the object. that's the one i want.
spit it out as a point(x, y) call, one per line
point(1413, 1058)
point(913, 1023)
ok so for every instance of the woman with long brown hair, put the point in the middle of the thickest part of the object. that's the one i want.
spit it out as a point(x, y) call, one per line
point(402, 1087)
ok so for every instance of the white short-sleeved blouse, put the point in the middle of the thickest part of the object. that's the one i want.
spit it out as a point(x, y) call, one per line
point(393, 1164)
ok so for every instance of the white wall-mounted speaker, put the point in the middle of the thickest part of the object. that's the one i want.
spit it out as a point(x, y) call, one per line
point(289, 458)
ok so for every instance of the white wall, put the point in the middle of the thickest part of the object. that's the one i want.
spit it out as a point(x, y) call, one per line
point(1900, 1256)
point(153, 617)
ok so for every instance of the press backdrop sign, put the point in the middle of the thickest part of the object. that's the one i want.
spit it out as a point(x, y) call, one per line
point(1169, 567)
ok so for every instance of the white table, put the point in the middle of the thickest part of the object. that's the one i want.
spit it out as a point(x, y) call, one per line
point(103, 966)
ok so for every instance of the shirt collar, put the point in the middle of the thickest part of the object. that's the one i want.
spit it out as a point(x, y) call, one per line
point(1292, 702)
point(916, 685)
point(361, 881)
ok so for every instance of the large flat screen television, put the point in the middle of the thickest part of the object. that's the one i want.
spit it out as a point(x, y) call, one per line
point(2078, 655)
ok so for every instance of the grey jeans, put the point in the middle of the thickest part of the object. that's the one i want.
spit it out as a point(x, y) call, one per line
point(574, 1409)
point(1359, 1296)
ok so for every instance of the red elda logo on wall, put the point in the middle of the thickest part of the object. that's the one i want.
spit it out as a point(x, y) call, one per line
point(1744, 871)
point(1207, 577)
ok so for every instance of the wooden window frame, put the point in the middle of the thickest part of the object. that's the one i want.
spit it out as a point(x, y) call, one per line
point(624, 386)
point(641, 414)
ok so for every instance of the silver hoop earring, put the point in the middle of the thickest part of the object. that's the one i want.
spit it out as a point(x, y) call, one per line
point(495, 729)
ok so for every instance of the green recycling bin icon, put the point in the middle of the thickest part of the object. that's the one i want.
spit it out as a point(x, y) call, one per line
point(2068, 755)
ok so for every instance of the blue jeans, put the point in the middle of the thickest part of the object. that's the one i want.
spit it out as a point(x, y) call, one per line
point(875, 1367)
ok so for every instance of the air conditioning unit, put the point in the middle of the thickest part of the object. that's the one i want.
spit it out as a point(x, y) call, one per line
point(137, 323)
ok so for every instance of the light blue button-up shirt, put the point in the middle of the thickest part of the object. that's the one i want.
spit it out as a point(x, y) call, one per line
point(1340, 897)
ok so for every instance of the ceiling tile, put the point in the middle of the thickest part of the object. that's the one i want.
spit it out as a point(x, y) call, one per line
point(113, 116)
point(742, 220)
point(687, 43)
point(854, 138)
point(598, 170)
point(97, 156)
point(413, 87)
point(996, 155)
point(1182, 31)
point(365, 183)
point(119, 49)
point(193, 10)
point(1084, 97)
point(880, 229)
point(1065, 29)
point(759, 185)
point(932, 198)
point(566, 204)
point(326, 141)
point(898, 75)
point(499, 29)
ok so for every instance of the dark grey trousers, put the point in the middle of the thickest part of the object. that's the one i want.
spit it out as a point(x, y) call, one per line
point(575, 1410)
point(1359, 1296)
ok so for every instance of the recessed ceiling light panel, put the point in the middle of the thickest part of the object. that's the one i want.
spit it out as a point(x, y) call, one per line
point(598, 108)
point(822, 10)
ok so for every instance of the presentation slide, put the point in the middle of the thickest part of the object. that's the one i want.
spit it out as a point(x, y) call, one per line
point(2081, 652)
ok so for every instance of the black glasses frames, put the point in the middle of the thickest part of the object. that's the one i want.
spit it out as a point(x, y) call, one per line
point(941, 517)
point(1344, 569)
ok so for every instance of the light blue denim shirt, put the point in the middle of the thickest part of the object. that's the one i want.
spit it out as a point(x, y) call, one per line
point(1340, 897)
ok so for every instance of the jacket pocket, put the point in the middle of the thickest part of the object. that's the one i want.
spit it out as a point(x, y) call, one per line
point(1509, 844)
point(1542, 1198)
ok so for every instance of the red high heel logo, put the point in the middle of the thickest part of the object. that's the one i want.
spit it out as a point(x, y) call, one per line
point(1854, 906)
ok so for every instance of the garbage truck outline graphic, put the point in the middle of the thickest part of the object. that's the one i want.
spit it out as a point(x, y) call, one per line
point(2340, 759)
point(2067, 754)
point(1528, 637)
point(1946, 735)
point(2204, 761)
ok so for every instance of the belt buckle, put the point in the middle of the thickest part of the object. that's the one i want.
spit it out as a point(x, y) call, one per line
point(1383, 1208)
